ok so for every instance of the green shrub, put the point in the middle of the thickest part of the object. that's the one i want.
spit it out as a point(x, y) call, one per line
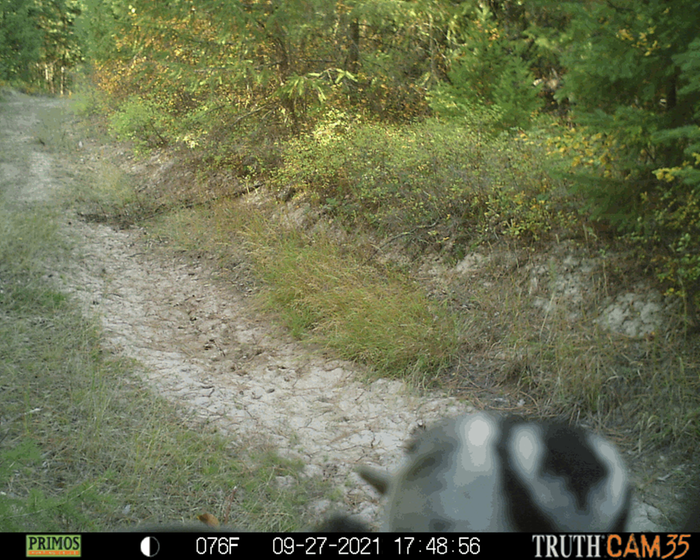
point(434, 184)
point(140, 121)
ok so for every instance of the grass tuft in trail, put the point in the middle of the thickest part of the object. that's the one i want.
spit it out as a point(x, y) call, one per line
point(327, 293)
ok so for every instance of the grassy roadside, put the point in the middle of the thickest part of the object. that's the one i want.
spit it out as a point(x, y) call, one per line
point(83, 446)
point(507, 333)
point(485, 336)
point(326, 287)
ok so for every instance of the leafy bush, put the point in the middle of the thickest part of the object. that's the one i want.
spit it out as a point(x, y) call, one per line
point(140, 121)
point(433, 183)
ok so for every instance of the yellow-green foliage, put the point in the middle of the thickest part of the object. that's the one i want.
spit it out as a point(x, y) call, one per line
point(140, 121)
point(661, 212)
point(490, 81)
point(432, 182)
point(676, 217)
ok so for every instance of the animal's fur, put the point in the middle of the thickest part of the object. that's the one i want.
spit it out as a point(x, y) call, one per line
point(483, 473)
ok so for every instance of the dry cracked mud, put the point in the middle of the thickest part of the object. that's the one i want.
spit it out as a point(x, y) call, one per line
point(201, 344)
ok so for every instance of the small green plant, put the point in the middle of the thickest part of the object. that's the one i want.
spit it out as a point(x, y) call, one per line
point(373, 315)
point(140, 121)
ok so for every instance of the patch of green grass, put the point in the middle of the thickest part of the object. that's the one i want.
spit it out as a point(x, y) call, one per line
point(327, 293)
point(374, 315)
point(567, 365)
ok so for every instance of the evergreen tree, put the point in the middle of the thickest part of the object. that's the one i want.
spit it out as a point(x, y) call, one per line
point(633, 83)
point(490, 83)
point(20, 39)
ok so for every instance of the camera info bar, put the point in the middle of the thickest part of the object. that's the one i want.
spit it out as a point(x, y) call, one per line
point(161, 545)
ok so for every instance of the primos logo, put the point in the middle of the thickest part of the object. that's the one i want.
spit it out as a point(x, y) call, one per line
point(53, 545)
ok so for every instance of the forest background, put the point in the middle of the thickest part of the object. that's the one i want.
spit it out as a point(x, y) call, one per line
point(328, 97)
point(442, 127)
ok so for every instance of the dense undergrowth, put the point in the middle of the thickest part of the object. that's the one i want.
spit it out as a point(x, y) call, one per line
point(437, 185)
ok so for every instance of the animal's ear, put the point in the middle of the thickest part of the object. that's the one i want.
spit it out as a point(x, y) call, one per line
point(379, 479)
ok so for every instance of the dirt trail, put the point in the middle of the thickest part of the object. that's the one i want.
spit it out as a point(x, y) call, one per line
point(202, 346)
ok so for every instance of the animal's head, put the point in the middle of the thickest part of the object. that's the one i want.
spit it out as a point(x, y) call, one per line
point(484, 473)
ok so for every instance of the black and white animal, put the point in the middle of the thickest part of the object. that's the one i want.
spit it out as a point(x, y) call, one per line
point(481, 472)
